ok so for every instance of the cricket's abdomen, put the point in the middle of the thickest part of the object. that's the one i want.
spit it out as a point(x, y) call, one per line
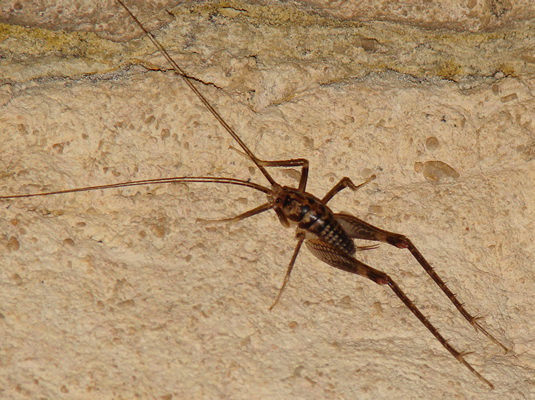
point(310, 215)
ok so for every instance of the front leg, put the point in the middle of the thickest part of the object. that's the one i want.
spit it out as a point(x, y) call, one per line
point(246, 214)
point(344, 183)
point(297, 162)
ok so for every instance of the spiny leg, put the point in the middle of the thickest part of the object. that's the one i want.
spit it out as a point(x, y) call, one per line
point(358, 229)
point(407, 244)
point(411, 306)
point(332, 256)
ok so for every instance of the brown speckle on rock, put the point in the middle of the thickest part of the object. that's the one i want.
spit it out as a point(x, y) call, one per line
point(432, 143)
point(13, 244)
point(438, 170)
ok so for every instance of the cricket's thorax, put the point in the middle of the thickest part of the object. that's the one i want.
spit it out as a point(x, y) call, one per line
point(311, 216)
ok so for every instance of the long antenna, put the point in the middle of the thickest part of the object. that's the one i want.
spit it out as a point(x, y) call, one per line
point(188, 80)
point(180, 179)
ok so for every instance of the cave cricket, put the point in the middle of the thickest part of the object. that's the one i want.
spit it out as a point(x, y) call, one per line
point(329, 236)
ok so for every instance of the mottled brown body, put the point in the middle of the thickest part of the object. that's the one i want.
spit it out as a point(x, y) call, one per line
point(310, 215)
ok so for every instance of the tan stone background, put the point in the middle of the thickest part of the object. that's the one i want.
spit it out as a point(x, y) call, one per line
point(122, 294)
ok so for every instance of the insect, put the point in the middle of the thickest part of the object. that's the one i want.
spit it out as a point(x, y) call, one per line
point(328, 235)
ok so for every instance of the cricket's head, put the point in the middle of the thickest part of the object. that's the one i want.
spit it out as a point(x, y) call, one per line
point(293, 207)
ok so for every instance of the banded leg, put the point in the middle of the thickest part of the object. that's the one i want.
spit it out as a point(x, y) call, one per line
point(300, 239)
point(332, 256)
point(358, 229)
point(301, 236)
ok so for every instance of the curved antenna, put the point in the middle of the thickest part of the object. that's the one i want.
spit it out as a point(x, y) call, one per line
point(180, 179)
point(188, 80)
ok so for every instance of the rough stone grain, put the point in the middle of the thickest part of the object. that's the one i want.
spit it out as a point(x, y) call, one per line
point(122, 294)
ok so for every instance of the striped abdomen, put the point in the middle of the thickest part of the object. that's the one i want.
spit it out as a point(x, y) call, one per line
point(309, 214)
